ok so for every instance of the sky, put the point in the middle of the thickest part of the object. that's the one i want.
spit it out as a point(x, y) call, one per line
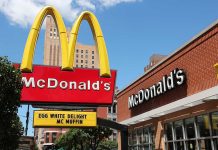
point(133, 30)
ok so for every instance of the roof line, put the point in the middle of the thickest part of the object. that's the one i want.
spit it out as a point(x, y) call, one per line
point(172, 54)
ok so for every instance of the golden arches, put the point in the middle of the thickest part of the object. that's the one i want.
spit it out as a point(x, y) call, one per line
point(67, 49)
point(98, 37)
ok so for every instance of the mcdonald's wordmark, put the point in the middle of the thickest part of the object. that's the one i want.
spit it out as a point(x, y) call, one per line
point(47, 84)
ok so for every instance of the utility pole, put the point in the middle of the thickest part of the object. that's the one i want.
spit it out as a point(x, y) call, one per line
point(27, 119)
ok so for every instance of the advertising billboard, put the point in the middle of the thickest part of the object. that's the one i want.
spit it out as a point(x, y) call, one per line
point(67, 85)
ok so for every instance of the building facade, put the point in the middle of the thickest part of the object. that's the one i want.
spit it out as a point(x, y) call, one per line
point(86, 56)
point(174, 104)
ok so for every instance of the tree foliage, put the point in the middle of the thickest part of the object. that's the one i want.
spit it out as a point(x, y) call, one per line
point(83, 138)
point(108, 145)
point(10, 90)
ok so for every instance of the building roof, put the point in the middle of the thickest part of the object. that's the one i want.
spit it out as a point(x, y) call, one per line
point(210, 27)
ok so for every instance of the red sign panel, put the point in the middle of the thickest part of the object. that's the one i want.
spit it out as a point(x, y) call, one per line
point(48, 84)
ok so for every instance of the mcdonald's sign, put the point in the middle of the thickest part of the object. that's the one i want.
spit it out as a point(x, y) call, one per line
point(50, 84)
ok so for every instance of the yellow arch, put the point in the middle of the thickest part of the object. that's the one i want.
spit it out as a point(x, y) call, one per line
point(27, 61)
point(67, 49)
point(99, 40)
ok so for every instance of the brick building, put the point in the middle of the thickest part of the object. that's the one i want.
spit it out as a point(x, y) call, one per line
point(174, 104)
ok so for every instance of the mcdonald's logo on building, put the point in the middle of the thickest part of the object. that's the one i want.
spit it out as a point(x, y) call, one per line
point(50, 84)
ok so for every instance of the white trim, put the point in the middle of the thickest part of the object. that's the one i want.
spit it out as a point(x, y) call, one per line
point(190, 101)
point(52, 131)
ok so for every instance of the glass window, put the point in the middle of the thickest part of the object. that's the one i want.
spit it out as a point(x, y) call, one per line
point(81, 51)
point(190, 128)
point(203, 125)
point(87, 51)
point(92, 57)
point(114, 108)
point(169, 133)
point(214, 117)
point(47, 138)
point(81, 66)
point(146, 135)
point(169, 146)
point(77, 60)
point(77, 66)
point(77, 51)
point(92, 62)
point(77, 55)
point(191, 145)
point(81, 56)
point(178, 129)
point(205, 144)
point(86, 61)
point(140, 136)
point(86, 66)
point(134, 137)
point(54, 136)
point(81, 61)
point(109, 109)
point(130, 138)
point(86, 56)
point(93, 67)
point(50, 34)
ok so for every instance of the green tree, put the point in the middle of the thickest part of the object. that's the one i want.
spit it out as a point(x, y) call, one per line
point(83, 138)
point(10, 90)
point(108, 145)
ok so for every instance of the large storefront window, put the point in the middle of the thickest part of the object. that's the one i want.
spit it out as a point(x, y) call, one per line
point(197, 133)
point(141, 139)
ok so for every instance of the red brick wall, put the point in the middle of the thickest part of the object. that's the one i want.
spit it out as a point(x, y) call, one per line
point(196, 59)
point(102, 112)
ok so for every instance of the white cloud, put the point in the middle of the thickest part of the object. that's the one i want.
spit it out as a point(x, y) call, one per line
point(23, 12)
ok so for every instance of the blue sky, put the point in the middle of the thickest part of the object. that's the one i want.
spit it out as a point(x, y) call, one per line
point(133, 29)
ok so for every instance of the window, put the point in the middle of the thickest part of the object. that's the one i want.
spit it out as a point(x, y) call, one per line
point(93, 52)
point(50, 29)
point(87, 51)
point(141, 138)
point(81, 51)
point(81, 61)
point(81, 66)
point(86, 61)
point(86, 56)
point(215, 123)
point(86, 66)
point(77, 66)
point(199, 132)
point(50, 35)
point(92, 57)
point(81, 56)
point(77, 61)
point(77, 51)
point(54, 137)
point(47, 138)
point(93, 67)
point(109, 110)
point(54, 29)
point(77, 55)
point(114, 108)
point(92, 62)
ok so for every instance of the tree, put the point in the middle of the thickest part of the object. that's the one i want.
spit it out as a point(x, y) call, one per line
point(108, 145)
point(83, 138)
point(10, 90)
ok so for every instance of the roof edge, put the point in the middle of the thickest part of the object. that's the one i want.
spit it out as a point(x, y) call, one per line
point(208, 28)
